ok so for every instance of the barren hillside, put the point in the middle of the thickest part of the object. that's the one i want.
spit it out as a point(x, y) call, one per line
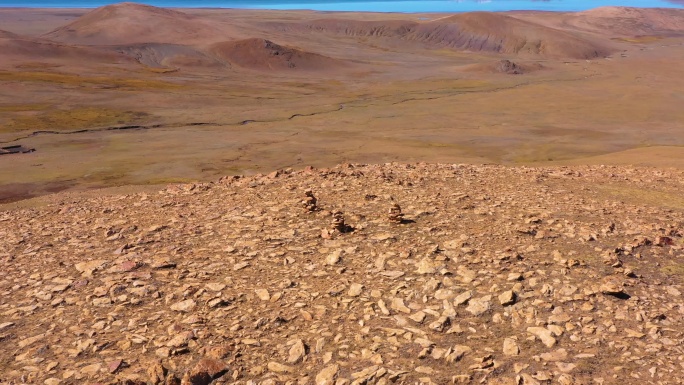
point(406, 274)
point(630, 21)
point(261, 54)
point(473, 31)
point(610, 22)
point(18, 49)
point(127, 23)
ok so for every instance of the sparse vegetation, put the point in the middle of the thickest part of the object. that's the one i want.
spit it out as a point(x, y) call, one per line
point(66, 79)
point(69, 120)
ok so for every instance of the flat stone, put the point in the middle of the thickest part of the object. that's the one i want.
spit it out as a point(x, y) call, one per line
point(327, 375)
point(91, 370)
point(557, 355)
point(510, 347)
point(334, 257)
point(426, 266)
point(6, 325)
point(114, 365)
point(612, 286)
point(479, 306)
point(184, 306)
point(87, 268)
point(355, 289)
point(543, 334)
point(398, 304)
point(463, 298)
point(507, 298)
point(418, 316)
point(240, 266)
point(263, 294)
point(279, 368)
point(215, 286)
point(297, 352)
point(205, 371)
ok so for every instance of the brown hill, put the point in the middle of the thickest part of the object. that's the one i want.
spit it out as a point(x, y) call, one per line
point(261, 54)
point(474, 31)
point(356, 28)
point(504, 66)
point(16, 48)
point(128, 23)
point(626, 21)
point(7, 35)
point(168, 55)
point(495, 32)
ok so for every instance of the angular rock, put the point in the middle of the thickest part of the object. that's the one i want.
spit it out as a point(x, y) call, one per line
point(205, 371)
point(263, 294)
point(327, 375)
point(280, 368)
point(297, 352)
point(184, 306)
point(507, 298)
point(355, 290)
point(543, 334)
point(479, 306)
point(510, 347)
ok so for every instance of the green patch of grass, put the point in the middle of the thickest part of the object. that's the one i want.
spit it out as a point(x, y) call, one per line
point(72, 120)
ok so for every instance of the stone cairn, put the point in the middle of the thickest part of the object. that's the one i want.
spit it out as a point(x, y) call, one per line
point(310, 202)
point(395, 215)
point(338, 224)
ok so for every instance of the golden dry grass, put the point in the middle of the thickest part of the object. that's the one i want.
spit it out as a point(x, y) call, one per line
point(7, 108)
point(70, 120)
point(67, 79)
point(639, 39)
point(396, 102)
point(651, 196)
point(674, 269)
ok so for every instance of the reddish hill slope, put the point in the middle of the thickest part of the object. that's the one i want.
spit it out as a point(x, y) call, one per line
point(630, 21)
point(261, 54)
point(495, 32)
point(16, 49)
point(128, 23)
point(475, 31)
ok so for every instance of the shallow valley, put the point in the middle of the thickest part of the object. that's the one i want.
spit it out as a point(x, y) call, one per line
point(134, 95)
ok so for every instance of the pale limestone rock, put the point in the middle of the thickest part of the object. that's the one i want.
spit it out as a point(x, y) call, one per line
point(355, 289)
point(426, 266)
point(543, 334)
point(510, 347)
point(507, 298)
point(184, 306)
point(297, 352)
point(479, 306)
point(463, 298)
point(398, 304)
point(263, 294)
point(279, 368)
point(327, 375)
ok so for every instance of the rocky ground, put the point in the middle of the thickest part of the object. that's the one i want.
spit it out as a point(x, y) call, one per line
point(406, 274)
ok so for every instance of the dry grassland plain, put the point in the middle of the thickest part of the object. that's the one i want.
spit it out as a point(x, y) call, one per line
point(136, 95)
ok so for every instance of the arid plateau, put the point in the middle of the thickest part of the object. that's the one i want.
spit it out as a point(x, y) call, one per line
point(222, 196)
